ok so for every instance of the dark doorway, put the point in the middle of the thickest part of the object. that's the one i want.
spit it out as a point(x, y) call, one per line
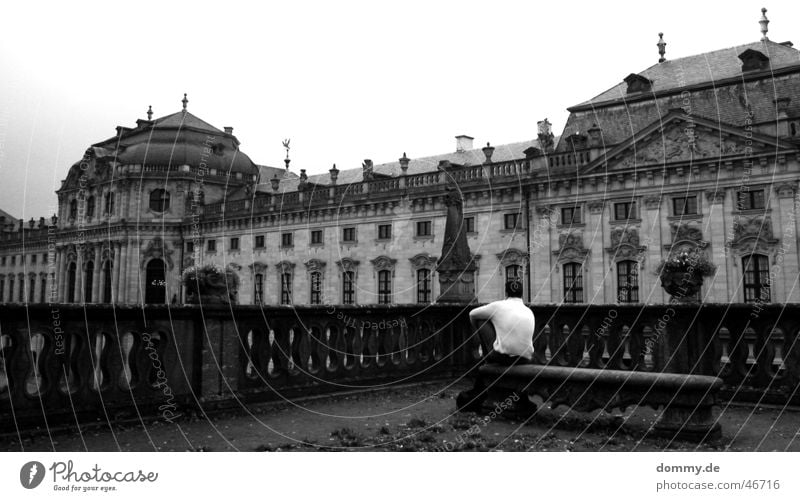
point(155, 285)
point(107, 281)
point(87, 284)
point(71, 282)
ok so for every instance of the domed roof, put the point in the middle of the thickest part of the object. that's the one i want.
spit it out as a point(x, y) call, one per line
point(174, 140)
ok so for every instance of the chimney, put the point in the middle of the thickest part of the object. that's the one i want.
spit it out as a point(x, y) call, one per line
point(463, 143)
point(404, 163)
point(595, 136)
point(488, 150)
point(229, 130)
point(275, 182)
point(366, 169)
point(334, 174)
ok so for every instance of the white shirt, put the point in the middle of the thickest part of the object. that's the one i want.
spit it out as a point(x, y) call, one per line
point(513, 323)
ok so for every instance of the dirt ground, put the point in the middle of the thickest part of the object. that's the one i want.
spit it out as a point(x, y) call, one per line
point(421, 417)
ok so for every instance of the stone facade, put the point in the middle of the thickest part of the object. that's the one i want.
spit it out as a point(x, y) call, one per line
point(684, 164)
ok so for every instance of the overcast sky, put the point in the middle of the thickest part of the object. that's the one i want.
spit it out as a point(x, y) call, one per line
point(344, 80)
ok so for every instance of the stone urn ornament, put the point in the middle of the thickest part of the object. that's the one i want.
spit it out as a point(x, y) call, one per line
point(210, 284)
point(682, 274)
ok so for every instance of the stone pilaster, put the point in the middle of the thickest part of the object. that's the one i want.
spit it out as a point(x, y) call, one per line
point(98, 271)
point(115, 263)
point(79, 277)
point(716, 230)
point(787, 257)
point(594, 271)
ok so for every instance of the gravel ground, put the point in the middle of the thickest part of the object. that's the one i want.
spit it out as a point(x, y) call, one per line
point(414, 418)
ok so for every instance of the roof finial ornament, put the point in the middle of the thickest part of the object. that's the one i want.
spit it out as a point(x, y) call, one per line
point(185, 101)
point(662, 48)
point(764, 22)
point(149, 112)
point(286, 146)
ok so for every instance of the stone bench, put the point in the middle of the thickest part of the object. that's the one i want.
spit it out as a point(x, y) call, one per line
point(687, 399)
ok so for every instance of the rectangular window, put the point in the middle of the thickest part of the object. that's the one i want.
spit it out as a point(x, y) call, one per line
point(424, 286)
point(109, 204)
point(32, 290)
point(571, 215)
point(234, 244)
point(190, 247)
point(573, 283)
point(259, 243)
point(2, 289)
point(211, 246)
point(682, 206)
point(33, 258)
point(469, 223)
point(287, 240)
point(349, 234)
point(258, 289)
point(748, 200)
point(628, 282)
point(510, 221)
point(624, 211)
point(756, 279)
point(13, 260)
point(316, 287)
point(316, 237)
point(348, 287)
point(424, 228)
point(384, 231)
point(3, 261)
point(384, 287)
point(286, 288)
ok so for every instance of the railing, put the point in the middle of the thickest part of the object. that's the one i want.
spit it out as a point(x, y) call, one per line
point(125, 362)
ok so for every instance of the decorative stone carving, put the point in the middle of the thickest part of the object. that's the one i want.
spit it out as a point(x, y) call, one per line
point(347, 264)
point(596, 207)
point(258, 267)
point(456, 267)
point(513, 257)
point(571, 248)
point(423, 261)
point(383, 263)
point(685, 238)
point(157, 249)
point(753, 234)
point(625, 244)
point(315, 265)
point(786, 190)
point(285, 267)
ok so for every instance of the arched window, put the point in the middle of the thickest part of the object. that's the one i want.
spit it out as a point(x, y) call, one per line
point(424, 285)
point(107, 281)
point(73, 209)
point(71, 270)
point(109, 203)
point(32, 289)
point(10, 288)
point(573, 283)
point(513, 273)
point(756, 278)
point(316, 287)
point(90, 207)
point(348, 287)
point(21, 290)
point(42, 291)
point(159, 200)
point(286, 288)
point(155, 291)
point(258, 288)
point(628, 282)
point(385, 287)
point(2, 289)
point(87, 284)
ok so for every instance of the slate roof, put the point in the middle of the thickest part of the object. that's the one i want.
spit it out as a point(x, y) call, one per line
point(737, 103)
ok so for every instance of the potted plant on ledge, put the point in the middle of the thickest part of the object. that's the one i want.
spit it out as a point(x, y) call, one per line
point(682, 274)
point(210, 284)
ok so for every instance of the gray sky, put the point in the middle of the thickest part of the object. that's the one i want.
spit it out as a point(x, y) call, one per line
point(344, 80)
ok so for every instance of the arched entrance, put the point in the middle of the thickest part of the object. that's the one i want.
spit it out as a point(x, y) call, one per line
point(70, 282)
point(155, 284)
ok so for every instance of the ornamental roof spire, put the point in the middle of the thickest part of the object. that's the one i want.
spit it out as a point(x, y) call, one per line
point(185, 101)
point(764, 22)
point(661, 48)
point(149, 112)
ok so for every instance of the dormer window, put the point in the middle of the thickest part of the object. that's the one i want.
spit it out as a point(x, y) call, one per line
point(638, 83)
point(753, 60)
point(159, 200)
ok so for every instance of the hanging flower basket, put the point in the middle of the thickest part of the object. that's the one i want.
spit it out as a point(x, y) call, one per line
point(210, 284)
point(682, 275)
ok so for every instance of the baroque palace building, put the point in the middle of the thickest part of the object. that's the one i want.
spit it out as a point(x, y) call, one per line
point(699, 152)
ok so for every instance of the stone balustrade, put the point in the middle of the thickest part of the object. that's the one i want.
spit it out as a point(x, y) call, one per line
point(63, 363)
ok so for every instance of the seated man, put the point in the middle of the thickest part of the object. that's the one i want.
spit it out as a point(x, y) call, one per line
point(506, 328)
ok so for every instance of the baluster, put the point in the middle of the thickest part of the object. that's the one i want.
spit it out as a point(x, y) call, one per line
point(412, 340)
point(586, 357)
point(34, 384)
point(316, 348)
point(625, 339)
point(126, 374)
point(335, 348)
point(98, 350)
point(250, 369)
point(751, 362)
point(400, 349)
point(69, 381)
point(777, 367)
point(548, 340)
point(649, 337)
point(6, 345)
point(724, 337)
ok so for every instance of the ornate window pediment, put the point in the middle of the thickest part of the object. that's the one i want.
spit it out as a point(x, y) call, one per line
point(315, 265)
point(157, 249)
point(347, 264)
point(383, 263)
point(571, 248)
point(258, 267)
point(753, 235)
point(285, 267)
point(513, 257)
point(685, 237)
point(625, 245)
point(423, 261)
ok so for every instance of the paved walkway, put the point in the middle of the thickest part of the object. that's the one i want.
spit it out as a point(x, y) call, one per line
point(419, 417)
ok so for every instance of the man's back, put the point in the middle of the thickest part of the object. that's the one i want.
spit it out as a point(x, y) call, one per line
point(513, 323)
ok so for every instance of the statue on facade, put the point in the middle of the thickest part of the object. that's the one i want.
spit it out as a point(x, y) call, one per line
point(456, 267)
